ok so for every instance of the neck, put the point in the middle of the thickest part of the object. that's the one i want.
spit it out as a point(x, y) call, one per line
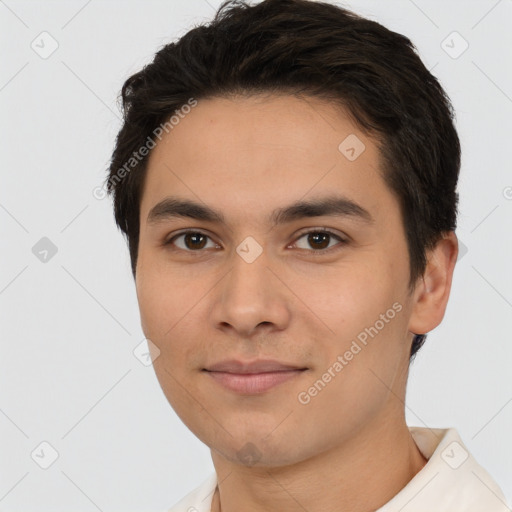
point(360, 477)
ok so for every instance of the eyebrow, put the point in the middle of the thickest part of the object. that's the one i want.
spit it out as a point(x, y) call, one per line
point(338, 206)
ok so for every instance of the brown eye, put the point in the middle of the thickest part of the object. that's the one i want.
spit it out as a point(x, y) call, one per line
point(318, 241)
point(191, 241)
point(195, 240)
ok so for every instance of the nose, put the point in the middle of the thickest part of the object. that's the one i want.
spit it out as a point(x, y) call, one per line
point(251, 298)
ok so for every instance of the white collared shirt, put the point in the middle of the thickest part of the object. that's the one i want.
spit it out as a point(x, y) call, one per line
point(451, 481)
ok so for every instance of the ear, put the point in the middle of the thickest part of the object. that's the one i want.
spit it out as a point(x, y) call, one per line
point(433, 288)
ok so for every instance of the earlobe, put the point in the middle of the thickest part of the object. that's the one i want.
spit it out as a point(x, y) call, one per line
point(433, 288)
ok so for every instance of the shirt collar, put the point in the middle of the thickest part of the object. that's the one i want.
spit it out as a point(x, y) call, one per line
point(451, 480)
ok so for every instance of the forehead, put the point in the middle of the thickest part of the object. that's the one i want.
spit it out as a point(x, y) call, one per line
point(254, 154)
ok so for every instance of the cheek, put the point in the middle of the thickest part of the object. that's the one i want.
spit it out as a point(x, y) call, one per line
point(162, 299)
point(360, 375)
point(152, 304)
point(167, 307)
point(352, 297)
point(367, 316)
point(163, 311)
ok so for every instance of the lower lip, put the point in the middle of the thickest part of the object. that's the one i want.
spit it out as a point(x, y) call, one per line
point(253, 383)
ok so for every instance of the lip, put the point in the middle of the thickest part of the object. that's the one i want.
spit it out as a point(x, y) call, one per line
point(254, 377)
point(258, 366)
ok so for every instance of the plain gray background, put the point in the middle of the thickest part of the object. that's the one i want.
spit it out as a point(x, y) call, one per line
point(69, 324)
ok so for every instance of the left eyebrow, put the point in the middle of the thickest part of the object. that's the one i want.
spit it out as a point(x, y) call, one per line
point(339, 206)
point(335, 206)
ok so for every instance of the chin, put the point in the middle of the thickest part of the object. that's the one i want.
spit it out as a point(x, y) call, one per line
point(257, 455)
point(256, 448)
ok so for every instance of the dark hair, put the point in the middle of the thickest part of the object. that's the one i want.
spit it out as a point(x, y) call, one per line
point(315, 49)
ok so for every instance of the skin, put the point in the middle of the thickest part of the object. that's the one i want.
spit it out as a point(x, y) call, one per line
point(349, 447)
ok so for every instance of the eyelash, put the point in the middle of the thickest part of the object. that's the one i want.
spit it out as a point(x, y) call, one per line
point(318, 252)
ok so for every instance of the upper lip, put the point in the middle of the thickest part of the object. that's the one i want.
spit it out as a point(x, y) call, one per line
point(259, 366)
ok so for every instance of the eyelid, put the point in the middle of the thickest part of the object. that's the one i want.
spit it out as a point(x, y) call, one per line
point(322, 229)
point(343, 239)
point(169, 241)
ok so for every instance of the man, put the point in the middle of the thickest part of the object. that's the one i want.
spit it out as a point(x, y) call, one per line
point(286, 179)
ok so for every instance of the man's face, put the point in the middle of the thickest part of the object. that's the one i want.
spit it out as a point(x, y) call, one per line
point(334, 310)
